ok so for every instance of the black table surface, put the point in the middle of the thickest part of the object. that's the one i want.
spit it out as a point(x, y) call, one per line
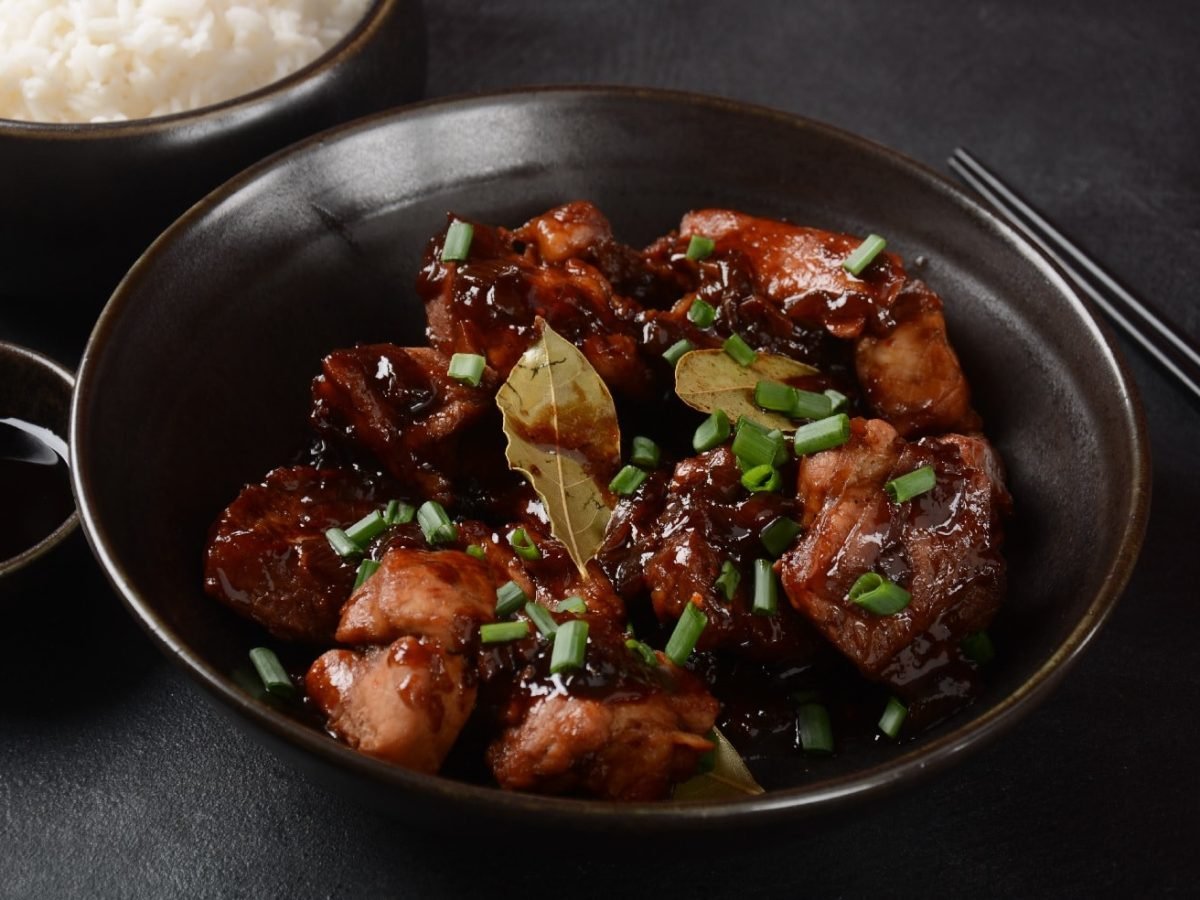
point(125, 781)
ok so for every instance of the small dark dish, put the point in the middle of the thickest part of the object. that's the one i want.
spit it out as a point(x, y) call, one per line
point(66, 186)
point(319, 248)
point(39, 513)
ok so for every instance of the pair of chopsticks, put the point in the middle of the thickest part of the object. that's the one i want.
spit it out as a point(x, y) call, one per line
point(1152, 331)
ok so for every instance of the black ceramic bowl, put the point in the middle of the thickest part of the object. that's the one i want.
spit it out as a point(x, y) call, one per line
point(82, 201)
point(318, 248)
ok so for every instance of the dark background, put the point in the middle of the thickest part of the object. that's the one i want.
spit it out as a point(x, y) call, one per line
point(125, 781)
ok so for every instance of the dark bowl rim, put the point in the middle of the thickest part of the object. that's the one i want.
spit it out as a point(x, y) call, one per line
point(35, 360)
point(907, 767)
point(377, 14)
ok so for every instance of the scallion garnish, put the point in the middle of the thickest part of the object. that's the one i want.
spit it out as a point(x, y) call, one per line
point(893, 717)
point(773, 434)
point(712, 432)
point(687, 631)
point(540, 616)
point(467, 368)
point(645, 453)
point(979, 648)
point(435, 524)
point(756, 448)
point(702, 313)
point(837, 400)
point(367, 528)
point(649, 657)
point(700, 247)
point(676, 350)
point(477, 551)
point(743, 354)
point(823, 434)
point(502, 632)
point(398, 513)
point(627, 481)
point(366, 569)
point(270, 670)
point(864, 254)
point(727, 581)
point(774, 395)
point(813, 728)
point(877, 595)
point(509, 598)
point(458, 241)
point(570, 646)
point(808, 405)
point(341, 544)
point(759, 479)
point(778, 535)
point(915, 483)
point(523, 545)
point(766, 589)
point(574, 605)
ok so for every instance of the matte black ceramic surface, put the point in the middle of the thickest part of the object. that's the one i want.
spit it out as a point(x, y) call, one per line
point(318, 249)
point(64, 186)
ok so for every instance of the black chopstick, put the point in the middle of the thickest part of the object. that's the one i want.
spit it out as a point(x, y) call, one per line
point(1152, 331)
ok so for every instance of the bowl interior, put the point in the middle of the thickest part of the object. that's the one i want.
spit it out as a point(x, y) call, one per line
point(196, 380)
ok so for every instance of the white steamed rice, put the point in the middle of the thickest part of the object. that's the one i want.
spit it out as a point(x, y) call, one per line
point(108, 60)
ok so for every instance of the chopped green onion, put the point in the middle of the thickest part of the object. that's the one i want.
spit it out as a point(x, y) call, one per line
point(979, 648)
point(570, 645)
point(458, 241)
point(272, 673)
point(808, 405)
point(813, 728)
point(367, 528)
point(398, 513)
point(540, 616)
point(477, 551)
point(574, 605)
point(727, 581)
point(743, 354)
point(677, 350)
point(893, 717)
point(509, 598)
point(435, 524)
point(366, 569)
point(774, 395)
point(649, 657)
point(822, 434)
point(702, 313)
point(467, 368)
point(712, 432)
point(502, 632)
point(687, 631)
point(766, 589)
point(877, 595)
point(838, 401)
point(627, 481)
point(864, 254)
point(645, 453)
point(523, 545)
point(754, 448)
point(761, 478)
point(915, 483)
point(774, 434)
point(700, 247)
point(341, 544)
point(708, 761)
point(778, 535)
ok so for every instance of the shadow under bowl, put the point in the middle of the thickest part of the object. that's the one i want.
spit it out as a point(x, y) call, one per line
point(319, 249)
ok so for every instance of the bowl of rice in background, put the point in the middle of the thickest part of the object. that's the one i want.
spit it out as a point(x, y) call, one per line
point(117, 115)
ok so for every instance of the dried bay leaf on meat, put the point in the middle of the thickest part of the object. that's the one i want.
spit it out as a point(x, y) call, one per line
point(727, 779)
point(709, 380)
point(561, 425)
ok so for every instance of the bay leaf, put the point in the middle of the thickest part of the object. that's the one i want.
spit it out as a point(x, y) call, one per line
point(727, 779)
point(561, 425)
point(709, 380)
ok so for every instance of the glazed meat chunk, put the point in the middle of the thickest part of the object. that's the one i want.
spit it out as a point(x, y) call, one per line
point(621, 728)
point(489, 304)
point(407, 701)
point(267, 556)
point(942, 546)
